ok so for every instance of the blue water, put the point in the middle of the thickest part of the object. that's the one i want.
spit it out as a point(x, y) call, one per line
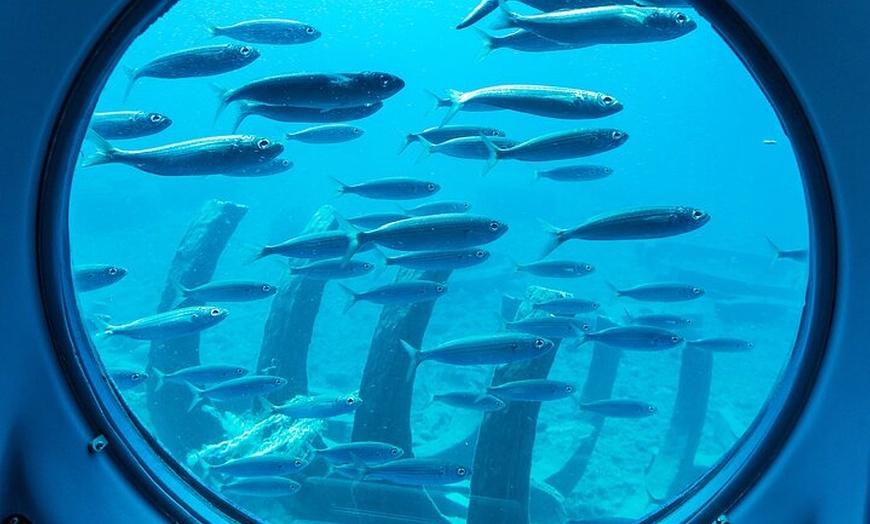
point(697, 122)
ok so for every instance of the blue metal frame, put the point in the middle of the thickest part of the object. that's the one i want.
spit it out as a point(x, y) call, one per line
point(47, 472)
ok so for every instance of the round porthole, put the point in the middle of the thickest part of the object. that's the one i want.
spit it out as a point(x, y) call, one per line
point(346, 262)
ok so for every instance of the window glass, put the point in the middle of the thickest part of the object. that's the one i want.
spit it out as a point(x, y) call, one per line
point(349, 263)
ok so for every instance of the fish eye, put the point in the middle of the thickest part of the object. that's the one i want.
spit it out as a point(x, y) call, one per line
point(135, 376)
point(263, 143)
point(285, 163)
point(357, 130)
point(539, 342)
point(279, 381)
point(493, 226)
point(297, 463)
point(616, 135)
point(608, 170)
point(681, 17)
point(675, 339)
point(349, 401)
point(479, 254)
point(461, 471)
point(750, 345)
point(651, 409)
point(267, 288)
point(608, 100)
point(595, 305)
point(697, 214)
point(587, 267)
point(113, 271)
point(240, 371)
point(155, 117)
point(309, 30)
point(430, 187)
point(439, 289)
point(569, 389)
point(696, 291)
point(245, 51)
point(214, 312)
point(394, 452)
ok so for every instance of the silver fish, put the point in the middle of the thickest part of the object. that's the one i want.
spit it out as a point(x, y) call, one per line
point(261, 487)
point(602, 25)
point(500, 348)
point(395, 188)
point(721, 344)
point(533, 390)
point(237, 388)
point(415, 472)
point(567, 306)
point(204, 156)
point(522, 40)
point(662, 320)
point(429, 260)
point(317, 90)
point(637, 338)
point(170, 324)
point(551, 327)
point(200, 61)
point(483, 8)
point(578, 173)
point(661, 292)
point(437, 135)
point(634, 224)
point(475, 401)
point(125, 379)
point(319, 406)
point(432, 232)
point(540, 100)
point(283, 113)
point(557, 268)
point(468, 147)
point(375, 220)
point(327, 134)
point(558, 146)
point(317, 246)
point(96, 276)
point(333, 269)
point(620, 408)
point(437, 208)
point(204, 375)
point(117, 125)
point(228, 291)
point(368, 452)
point(798, 255)
point(276, 465)
point(268, 31)
point(398, 293)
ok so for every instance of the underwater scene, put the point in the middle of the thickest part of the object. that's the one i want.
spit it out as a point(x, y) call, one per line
point(536, 261)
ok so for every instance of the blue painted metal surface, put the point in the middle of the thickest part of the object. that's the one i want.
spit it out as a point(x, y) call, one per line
point(46, 470)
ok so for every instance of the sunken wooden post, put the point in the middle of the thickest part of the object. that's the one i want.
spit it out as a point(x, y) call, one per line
point(503, 458)
point(385, 414)
point(290, 324)
point(598, 386)
point(673, 468)
point(195, 260)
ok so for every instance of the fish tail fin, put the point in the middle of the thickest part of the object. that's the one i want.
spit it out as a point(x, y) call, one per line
point(439, 101)
point(556, 237)
point(342, 187)
point(102, 323)
point(381, 265)
point(161, 378)
point(428, 149)
point(197, 397)
point(222, 94)
point(488, 44)
point(257, 252)
point(209, 26)
point(494, 152)
point(414, 355)
point(455, 106)
point(352, 297)
point(775, 248)
point(537, 176)
point(628, 318)
point(506, 18)
point(244, 112)
point(616, 292)
point(105, 153)
point(132, 76)
point(407, 140)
